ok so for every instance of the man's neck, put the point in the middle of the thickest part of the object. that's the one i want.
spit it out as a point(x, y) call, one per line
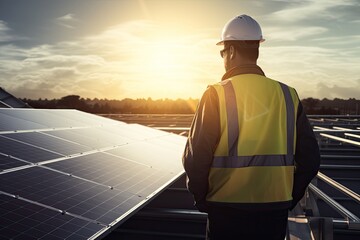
point(243, 69)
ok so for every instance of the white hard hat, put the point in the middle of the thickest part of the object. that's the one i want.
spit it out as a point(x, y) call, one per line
point(242, 27)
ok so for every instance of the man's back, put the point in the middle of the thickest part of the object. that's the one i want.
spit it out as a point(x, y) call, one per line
point(248, 135)
point(252, 150)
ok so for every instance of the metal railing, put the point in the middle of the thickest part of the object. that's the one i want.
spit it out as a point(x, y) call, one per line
point(339, 187)
point(352, 135)
point(355, 143)
point(333, 204)
point(350, 221)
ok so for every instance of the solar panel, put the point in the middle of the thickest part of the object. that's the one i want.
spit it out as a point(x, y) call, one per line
point(11, 123)
point(83, 136)
point(68, 193)
point(7, 100)
point(49, 142)
point(104, 168)
point(7, 162)
point(25, 151)
point(79, 170)
point(24, 220)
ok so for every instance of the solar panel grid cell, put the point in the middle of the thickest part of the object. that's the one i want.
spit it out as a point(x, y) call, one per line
point(10, 123)
point(134, 178)
point(25, 151)
point(101, 167)
point(45, 118)
point(149, 154)
point(166, 143)
point(23, 220)
point(174, 139)
point(65, 192)
point(96, 138)
point(81, 118)
point(80, 136)
point(134, 132)
point(48, 142)
point(8, 162)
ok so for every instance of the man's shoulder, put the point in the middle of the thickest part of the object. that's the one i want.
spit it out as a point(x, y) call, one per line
point(291, 89)
point(221, 83)
point(274, 81)
point(211, 89)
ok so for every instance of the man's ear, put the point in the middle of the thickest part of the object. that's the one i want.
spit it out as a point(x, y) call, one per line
point(232, 52)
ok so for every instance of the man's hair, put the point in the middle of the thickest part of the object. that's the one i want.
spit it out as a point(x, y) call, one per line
point(248, 49)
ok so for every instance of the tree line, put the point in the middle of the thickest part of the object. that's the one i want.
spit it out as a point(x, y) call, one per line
point(127, 105)
point(181, 106)
point(336, 106)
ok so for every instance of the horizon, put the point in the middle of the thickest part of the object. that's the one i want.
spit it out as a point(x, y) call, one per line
point(161, 49)
point(163, 99)
point(178, 106)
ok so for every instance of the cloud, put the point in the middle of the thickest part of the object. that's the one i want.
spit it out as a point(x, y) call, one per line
point(4, 32)
point(345, 40)
point(151, 59)
point(292, 34)
point(126, 60)
point(67, 21)
point(335, 91)
point(312, 9)
point(304, 67)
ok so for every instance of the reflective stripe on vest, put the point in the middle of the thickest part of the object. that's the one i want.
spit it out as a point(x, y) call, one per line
point(232, 118)
point(251, 161)
point(290, 115)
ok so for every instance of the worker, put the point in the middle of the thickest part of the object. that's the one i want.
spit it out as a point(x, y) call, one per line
point(251, 151)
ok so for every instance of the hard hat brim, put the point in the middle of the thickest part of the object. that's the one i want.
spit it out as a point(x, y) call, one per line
point(222, 42)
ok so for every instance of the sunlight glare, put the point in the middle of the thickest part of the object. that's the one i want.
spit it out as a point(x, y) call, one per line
point(163, 59)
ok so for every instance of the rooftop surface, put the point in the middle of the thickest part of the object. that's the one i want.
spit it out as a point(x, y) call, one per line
point(62, 170)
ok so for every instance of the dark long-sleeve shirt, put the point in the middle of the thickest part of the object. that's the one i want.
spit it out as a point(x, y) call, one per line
point(205, 133)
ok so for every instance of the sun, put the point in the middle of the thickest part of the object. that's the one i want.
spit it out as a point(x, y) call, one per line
point(162, 62)
point(164, 59)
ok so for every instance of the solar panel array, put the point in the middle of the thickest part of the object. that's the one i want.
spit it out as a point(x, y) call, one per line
point(66, 174)
point(7, 100)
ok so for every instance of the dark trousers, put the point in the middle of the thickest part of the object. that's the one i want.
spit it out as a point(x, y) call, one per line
point(230, 223)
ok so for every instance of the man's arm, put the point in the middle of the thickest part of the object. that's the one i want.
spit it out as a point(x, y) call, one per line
point(307, 156)
point(201, 144)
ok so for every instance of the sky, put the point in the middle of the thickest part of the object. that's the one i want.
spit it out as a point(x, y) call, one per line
point(118, 49)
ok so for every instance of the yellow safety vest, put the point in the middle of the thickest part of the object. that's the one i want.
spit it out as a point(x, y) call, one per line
point(254, 159)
